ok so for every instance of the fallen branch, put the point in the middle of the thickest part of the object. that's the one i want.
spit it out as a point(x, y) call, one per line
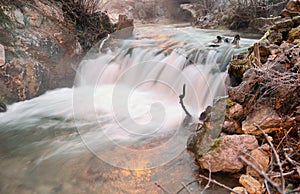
point(219, 184)
point(194, 181)
point(209, 180)
point(285, 137)
point(261, 173)
point(181, 96)
point(276, 157)
point(187, 189)
point(293, 162)
point(278, 175)
point(162, 188)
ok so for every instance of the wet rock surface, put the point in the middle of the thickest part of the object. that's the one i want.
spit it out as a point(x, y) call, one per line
point(3, 107)
point(39, 45)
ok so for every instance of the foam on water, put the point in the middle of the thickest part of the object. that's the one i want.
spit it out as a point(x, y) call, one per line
point(127, 93)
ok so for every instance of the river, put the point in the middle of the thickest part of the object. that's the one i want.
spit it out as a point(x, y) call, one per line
point(120, 129)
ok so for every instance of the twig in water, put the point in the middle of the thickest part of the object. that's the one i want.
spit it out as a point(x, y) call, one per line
point(162, 188)
point(194, 181)
point(209, 180)
point(181, 96)
point(276, 157)
point(217, 183)
point(187, 189)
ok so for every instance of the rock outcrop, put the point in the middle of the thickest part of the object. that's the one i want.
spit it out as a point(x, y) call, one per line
point(263, 102)
point(40, 41)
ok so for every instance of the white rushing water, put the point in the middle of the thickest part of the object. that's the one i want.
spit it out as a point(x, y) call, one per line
point(124, 106)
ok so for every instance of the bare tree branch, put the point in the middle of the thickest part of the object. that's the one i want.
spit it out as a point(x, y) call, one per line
point(261, 173)
point(187, 189)
point(162, 188)
point(276, 157)
point(181, 96)
point(219, 184)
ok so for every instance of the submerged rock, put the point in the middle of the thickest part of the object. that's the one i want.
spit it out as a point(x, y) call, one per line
point(2, 107)
point(223, 156)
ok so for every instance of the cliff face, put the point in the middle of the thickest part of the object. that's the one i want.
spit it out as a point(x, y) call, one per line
point(40, 41)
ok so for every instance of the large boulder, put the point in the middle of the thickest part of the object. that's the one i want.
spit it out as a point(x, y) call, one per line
point(40, 42)
point(224, 155)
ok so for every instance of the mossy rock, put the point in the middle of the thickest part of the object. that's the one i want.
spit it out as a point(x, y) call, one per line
point(294, 34)
point(239, 65)
point(296, 41)
point(206, 138)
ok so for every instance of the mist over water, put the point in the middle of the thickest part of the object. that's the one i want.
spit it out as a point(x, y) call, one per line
point(123, 111)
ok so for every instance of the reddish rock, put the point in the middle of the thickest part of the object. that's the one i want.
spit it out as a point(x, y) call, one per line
point(260, 158)
point(266, 118)
point(239, 190)
point(251, 184)
point(41, 47)
point(223, 156)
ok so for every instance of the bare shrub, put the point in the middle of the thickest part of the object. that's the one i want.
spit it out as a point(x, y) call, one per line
point(91, 24)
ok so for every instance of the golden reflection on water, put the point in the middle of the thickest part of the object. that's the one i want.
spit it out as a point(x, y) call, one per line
point(160, 40)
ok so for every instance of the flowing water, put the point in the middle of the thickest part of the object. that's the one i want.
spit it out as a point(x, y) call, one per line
point(121, 128)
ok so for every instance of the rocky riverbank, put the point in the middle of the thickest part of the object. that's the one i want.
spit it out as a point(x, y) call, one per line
point(255, 130)
point(42, 42)
point(249, 16)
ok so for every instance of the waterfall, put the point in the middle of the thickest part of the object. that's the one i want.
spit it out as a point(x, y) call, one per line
point(125, 99)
